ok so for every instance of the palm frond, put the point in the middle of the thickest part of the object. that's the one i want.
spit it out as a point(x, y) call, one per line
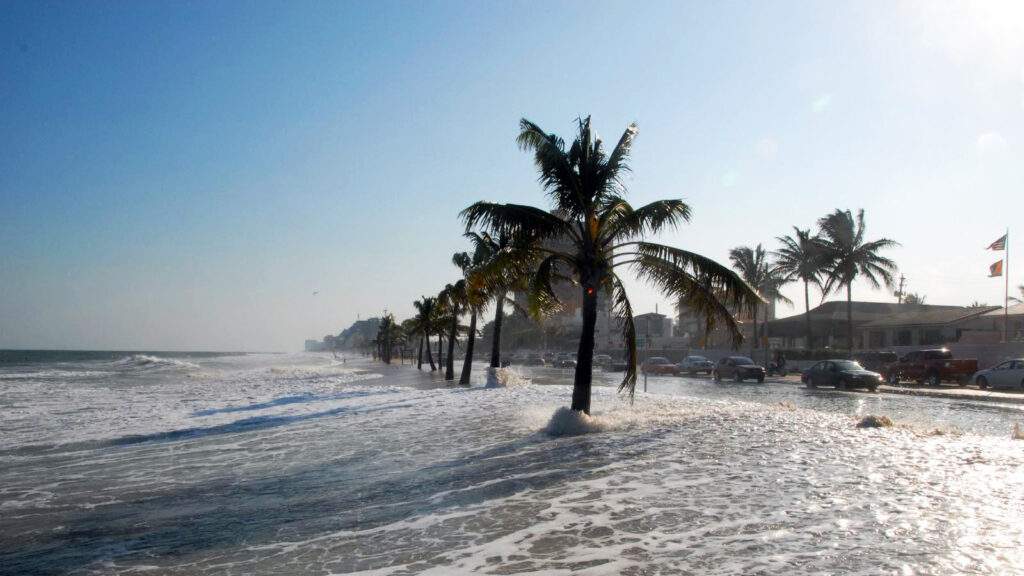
point(525, 223)
point(628, 224)
point(703, 292)
point(622, 308)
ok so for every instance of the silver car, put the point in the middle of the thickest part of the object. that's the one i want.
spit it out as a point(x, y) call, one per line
point(1008, 374)
point(694, 364)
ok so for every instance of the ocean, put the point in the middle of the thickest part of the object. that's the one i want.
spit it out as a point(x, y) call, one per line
point(168, 463)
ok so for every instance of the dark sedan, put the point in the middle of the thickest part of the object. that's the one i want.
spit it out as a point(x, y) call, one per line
point(841, 374)
point(738, 368)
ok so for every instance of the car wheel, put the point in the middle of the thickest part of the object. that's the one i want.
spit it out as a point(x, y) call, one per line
point(983, 382)
point(934, 380)
point(760, 379)
point(716, 376)
point(873, 388)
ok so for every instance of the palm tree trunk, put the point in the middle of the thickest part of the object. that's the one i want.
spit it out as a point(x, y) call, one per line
point(849, 316)
point(449, 365)
point(430, 357)
point(753, 343)
point(499, 314)
point(585, 353)
point(440, 350)
point(467, 364)
point(419, 357)
point(807, 315)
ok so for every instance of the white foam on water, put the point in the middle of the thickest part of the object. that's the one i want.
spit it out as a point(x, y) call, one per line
point(292, 464)
point(504, 378)
point(155, 362)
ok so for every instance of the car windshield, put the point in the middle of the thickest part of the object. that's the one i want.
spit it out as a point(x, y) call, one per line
point(848, 365)
point(742, 361)
point(697, 359)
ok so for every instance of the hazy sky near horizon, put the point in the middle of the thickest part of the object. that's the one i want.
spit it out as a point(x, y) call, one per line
point(185, 175)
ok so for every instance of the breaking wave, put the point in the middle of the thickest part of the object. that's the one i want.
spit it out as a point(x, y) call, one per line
point(147, 362)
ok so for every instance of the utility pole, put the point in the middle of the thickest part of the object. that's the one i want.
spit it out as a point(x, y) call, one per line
point(899, 292)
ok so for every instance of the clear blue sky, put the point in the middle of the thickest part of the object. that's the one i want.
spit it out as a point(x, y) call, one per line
point(186, 175)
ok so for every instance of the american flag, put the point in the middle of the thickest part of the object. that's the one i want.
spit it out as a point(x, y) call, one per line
point(998, 244)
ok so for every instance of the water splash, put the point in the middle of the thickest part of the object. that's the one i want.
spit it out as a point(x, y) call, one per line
point(505, 378)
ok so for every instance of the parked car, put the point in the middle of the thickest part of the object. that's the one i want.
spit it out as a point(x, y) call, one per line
point(739, 368)
point(875, 360)
point(533, 360)
point(841, 374)
point(564, 360)
point(695, 364)
point(660, 365)
point(931, 366)
point(602, 360)
point(1008, 374)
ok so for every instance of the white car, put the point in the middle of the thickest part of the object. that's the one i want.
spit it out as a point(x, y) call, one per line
point(694, 364)
point(1008, 374)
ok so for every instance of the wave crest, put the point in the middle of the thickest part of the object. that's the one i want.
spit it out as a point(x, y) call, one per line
point(146, 361)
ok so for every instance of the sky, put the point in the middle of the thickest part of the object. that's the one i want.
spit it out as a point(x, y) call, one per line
point(185, 175)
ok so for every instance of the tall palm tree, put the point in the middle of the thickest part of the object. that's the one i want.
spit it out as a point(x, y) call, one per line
point(849, 256)
point(800, 258)
point(755, 268)
point(591, 233)
point(451, 301)
point(387, 334)
point(495, 281)
point(424, 326)
point(474, 298)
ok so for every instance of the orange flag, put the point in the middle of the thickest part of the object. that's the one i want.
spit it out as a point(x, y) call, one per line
point(995, 269)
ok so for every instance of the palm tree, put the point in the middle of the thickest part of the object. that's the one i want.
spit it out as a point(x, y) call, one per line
point(849, 256)
point(800, 258)
point(387, 333)
point(493, 284)
point(451, 301)
point(474, 298)
point(424, 323)
point(591, 233)
point(762, 275)
point(914, 298)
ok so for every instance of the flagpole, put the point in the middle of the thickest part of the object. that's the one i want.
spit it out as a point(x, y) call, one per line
point(1006, 288)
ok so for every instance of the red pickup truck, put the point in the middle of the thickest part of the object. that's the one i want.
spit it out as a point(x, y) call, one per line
point(931, 366)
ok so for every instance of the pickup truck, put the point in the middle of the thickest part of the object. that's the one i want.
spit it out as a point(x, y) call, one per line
point(931, 366)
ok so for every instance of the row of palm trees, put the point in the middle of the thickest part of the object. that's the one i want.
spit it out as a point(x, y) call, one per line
point(831, 259)
point(590, 235)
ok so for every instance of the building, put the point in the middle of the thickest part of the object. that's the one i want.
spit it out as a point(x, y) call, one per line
point(652, 324)
point(926, 326)
point(875, 325)
point(314, 346)
point(994, 321)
